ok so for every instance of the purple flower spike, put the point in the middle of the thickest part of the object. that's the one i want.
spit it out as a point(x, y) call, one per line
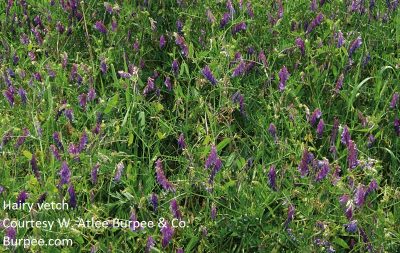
point(55, 152)
point(313, 5)
point(56, 138)
point(213, 211)
point(100, 27)
point(180, 250)
point(163, 42)
point(239, 27)
point(167, 232)
point(103, 66)
point(168, 83)
point(355, 44)
point(175, 67)
point(209, 75)
point(352, 155)
point(212, 157)
point(175, 209)
point(239, 99)
point(72, 196)
point(359, 195)
point(149, 87)
point(94, 173)
point(181, 141)
point(154, 201)
point(22, 197)
point(394, 101)
point(9, 95)
point(272, 131)
point(22, 94)
point(91, 94)
point(210, 16)
point(290, 215)
point(272, 177)
point(35, 168)
point(225, 19)
point(371, 140)
point(397, 126)
point(65, 174)
point(339, 83)
point(320, 128)
point(314, 116)
point(150, 244)
point(161, 178)
point(240, 69)
point(180, 41)
point(118, 171)
point(305, 161)
point(351, 227)
point(283, 77)
point(82, 100)
point(345, 138)
point(316, 22)
point(323, 172)
point(300, 45)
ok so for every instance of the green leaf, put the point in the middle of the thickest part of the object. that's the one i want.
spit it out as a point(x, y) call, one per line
point(223, 144)
point(111, 103)
point(27, 154)
point(341, 242)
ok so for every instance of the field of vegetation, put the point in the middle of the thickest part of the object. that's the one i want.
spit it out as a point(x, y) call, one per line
point(200, 126)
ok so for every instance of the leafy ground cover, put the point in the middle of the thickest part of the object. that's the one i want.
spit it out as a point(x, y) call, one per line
point(260, 126)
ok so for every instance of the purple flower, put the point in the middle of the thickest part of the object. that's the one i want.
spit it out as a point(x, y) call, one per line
point(179, 26)
point(213, 211)
point(359, 195)
point(22, 138)
point(161, 178)
point(272, 177)
point(305, 161)
point(136, 45)
point(55, 152)
point(397, 126)
point(262, 58)
point(72, 196)
point(300, 45)
point(355, 44)
point(94, 173)
point(290, 214)
point(352, 155)
point(154, 201)
point(239, 99)
point(82, 142)
point(320, 128)
point(175, 67)
point(1, 189)
point(283, 77)
point(209, 75)
point(180, 41)
point(250, 11)
point(181, 141)
point(11, 233)
point(316, 22)
point(35, 168)
point(103, 66)
point(150, 244)
point(100, 27)
point(124, 74)
point(82, 100)
point(239, 27)
point(108, 7)
point(272, 131)
point(229, 6)
point(280, 9)
point(149, 87)
point(323, 172)
point(56, 138)
point(22, 197)
point(180, 250)
point(91, 94)
point(118, 171)
point(5, 139)
point(65, 174)
point(313, 5)
point(167, 232)
point(371, 140)
point(314, 116)
point(373, 186)
point(212, 157)
point(167, 83)
point(134, 220)
point(210, 16)
point(240, 69)
point(345, 138)
point(162, 41)
point(9, 95)
point(351, 227)
point(175, 209)
point(394, 101)
point(225, 19)
point(339, 83)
